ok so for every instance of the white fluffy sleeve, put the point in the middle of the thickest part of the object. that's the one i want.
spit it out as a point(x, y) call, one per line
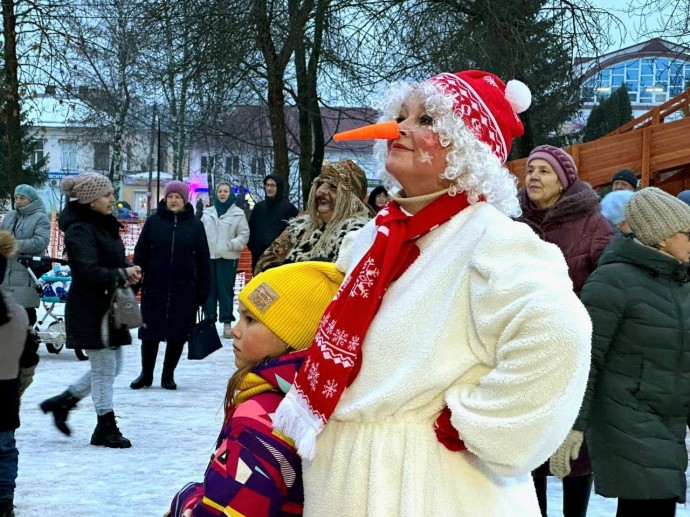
point(525, 315)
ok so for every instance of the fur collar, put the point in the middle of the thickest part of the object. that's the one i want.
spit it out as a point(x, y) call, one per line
point(580, 200)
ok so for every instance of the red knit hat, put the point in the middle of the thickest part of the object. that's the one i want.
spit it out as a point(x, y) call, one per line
point(487, 106)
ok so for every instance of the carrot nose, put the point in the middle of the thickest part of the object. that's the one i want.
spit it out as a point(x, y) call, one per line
point(383, 130)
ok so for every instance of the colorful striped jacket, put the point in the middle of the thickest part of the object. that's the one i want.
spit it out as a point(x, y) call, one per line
point(255, 471)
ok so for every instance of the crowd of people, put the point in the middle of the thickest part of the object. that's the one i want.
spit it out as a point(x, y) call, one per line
point(439, 345)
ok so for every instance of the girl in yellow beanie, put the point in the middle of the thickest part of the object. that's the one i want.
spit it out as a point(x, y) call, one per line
point(255, 470)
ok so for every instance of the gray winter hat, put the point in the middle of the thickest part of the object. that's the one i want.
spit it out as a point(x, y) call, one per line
point(654, 215)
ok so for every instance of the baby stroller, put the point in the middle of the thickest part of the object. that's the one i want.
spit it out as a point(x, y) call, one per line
point(52, 288)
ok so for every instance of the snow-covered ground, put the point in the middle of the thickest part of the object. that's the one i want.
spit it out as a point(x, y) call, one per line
point(172, 434)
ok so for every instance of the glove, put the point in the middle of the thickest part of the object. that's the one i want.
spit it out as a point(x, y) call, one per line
point(446, 433)
point(559, 463)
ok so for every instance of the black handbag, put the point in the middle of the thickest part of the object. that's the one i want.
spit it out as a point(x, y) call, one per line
point(203, 339)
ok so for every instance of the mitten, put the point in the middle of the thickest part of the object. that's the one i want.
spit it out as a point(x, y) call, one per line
point(446, 433)
point(559, 462)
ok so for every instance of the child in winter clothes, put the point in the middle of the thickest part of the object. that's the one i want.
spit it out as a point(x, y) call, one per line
point(255, 470)
point(18, 361)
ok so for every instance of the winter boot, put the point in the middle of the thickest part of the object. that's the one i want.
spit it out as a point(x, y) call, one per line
point(6, 508)
point(149, 351)
point(107, 433)
point(227, 330)
point(60, 406)
point(173, 352)
point(168, 380)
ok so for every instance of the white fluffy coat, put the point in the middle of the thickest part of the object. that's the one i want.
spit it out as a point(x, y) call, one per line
point(484, 321)
point(228, 234)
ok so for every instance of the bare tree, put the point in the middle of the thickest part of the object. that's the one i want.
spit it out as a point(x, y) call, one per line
point(105, 50)
point(662, 18)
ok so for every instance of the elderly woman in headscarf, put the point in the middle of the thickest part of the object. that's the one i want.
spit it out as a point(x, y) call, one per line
point(454, 358)
point(335, 208)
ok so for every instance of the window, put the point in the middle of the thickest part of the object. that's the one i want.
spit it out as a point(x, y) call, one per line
point(649, 80)
point(258, 166)
point(232, 165)
point(68, 161)
point(207, 163)
point(36, 154)
point(101, 156)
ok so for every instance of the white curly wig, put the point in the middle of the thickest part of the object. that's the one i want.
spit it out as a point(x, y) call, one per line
point(471, 165)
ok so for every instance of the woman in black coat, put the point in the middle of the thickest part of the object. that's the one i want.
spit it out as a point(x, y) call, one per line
point(173, 254)
point(98, 265)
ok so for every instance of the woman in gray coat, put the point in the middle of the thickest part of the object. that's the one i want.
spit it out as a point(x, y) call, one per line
point(637, 400)
point(30, 226)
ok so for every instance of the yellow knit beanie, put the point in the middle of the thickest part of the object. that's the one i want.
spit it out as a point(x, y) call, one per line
point(291, 299)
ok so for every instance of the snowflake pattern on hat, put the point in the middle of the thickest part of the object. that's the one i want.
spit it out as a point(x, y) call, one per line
point(474, 112)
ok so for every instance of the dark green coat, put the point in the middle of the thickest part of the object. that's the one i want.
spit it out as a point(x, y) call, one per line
point(636, 405)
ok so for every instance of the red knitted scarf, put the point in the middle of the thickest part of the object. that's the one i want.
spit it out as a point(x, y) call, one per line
point(336, 353)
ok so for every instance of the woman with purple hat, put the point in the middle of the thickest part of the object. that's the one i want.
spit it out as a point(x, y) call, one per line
point(173, 254)
point(564, 210)
point(453, 360)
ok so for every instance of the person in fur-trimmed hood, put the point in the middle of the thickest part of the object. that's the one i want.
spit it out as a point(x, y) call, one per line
point(454, 359)
point(564, 210)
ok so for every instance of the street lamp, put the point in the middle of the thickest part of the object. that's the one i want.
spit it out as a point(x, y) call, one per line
point(158, 161)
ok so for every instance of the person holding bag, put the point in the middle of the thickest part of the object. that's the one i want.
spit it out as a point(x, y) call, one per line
point(227, 232)
point(97, 261)
point(173, 254)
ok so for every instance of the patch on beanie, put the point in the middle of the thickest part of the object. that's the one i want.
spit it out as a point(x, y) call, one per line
point(263, 297)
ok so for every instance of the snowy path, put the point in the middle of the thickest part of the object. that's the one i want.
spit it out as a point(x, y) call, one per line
point(172, 433)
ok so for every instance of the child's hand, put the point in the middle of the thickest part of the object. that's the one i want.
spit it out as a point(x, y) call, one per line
point(187, 513)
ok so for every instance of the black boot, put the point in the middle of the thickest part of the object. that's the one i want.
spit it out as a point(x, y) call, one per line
point(107, 434)
point(6, 508)
point(168, 380)
point(173, 352)
point(60, 406)
point(149, 351)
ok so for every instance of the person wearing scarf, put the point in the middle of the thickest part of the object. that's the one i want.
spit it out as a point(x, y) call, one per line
point(454, 357)
point(227, 232)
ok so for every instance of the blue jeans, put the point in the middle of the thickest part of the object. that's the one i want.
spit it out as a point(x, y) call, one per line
point(106, 364)
point(9, 459)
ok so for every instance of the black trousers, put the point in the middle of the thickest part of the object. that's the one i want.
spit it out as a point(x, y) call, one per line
point(149, 351)
point(651, 507)
point(576, 492)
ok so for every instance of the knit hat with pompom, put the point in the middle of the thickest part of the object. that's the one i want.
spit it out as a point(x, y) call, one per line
point(487, 106)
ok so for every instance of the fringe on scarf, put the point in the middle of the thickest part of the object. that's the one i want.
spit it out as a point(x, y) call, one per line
point(294, 418)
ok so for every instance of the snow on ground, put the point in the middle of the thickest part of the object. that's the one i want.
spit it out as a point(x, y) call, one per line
point(172, 434)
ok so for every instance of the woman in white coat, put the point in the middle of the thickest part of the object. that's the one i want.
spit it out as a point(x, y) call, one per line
point(227, 232)
point(454, 358)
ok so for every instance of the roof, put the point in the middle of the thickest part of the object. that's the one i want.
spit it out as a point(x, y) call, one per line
point(650, 48)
